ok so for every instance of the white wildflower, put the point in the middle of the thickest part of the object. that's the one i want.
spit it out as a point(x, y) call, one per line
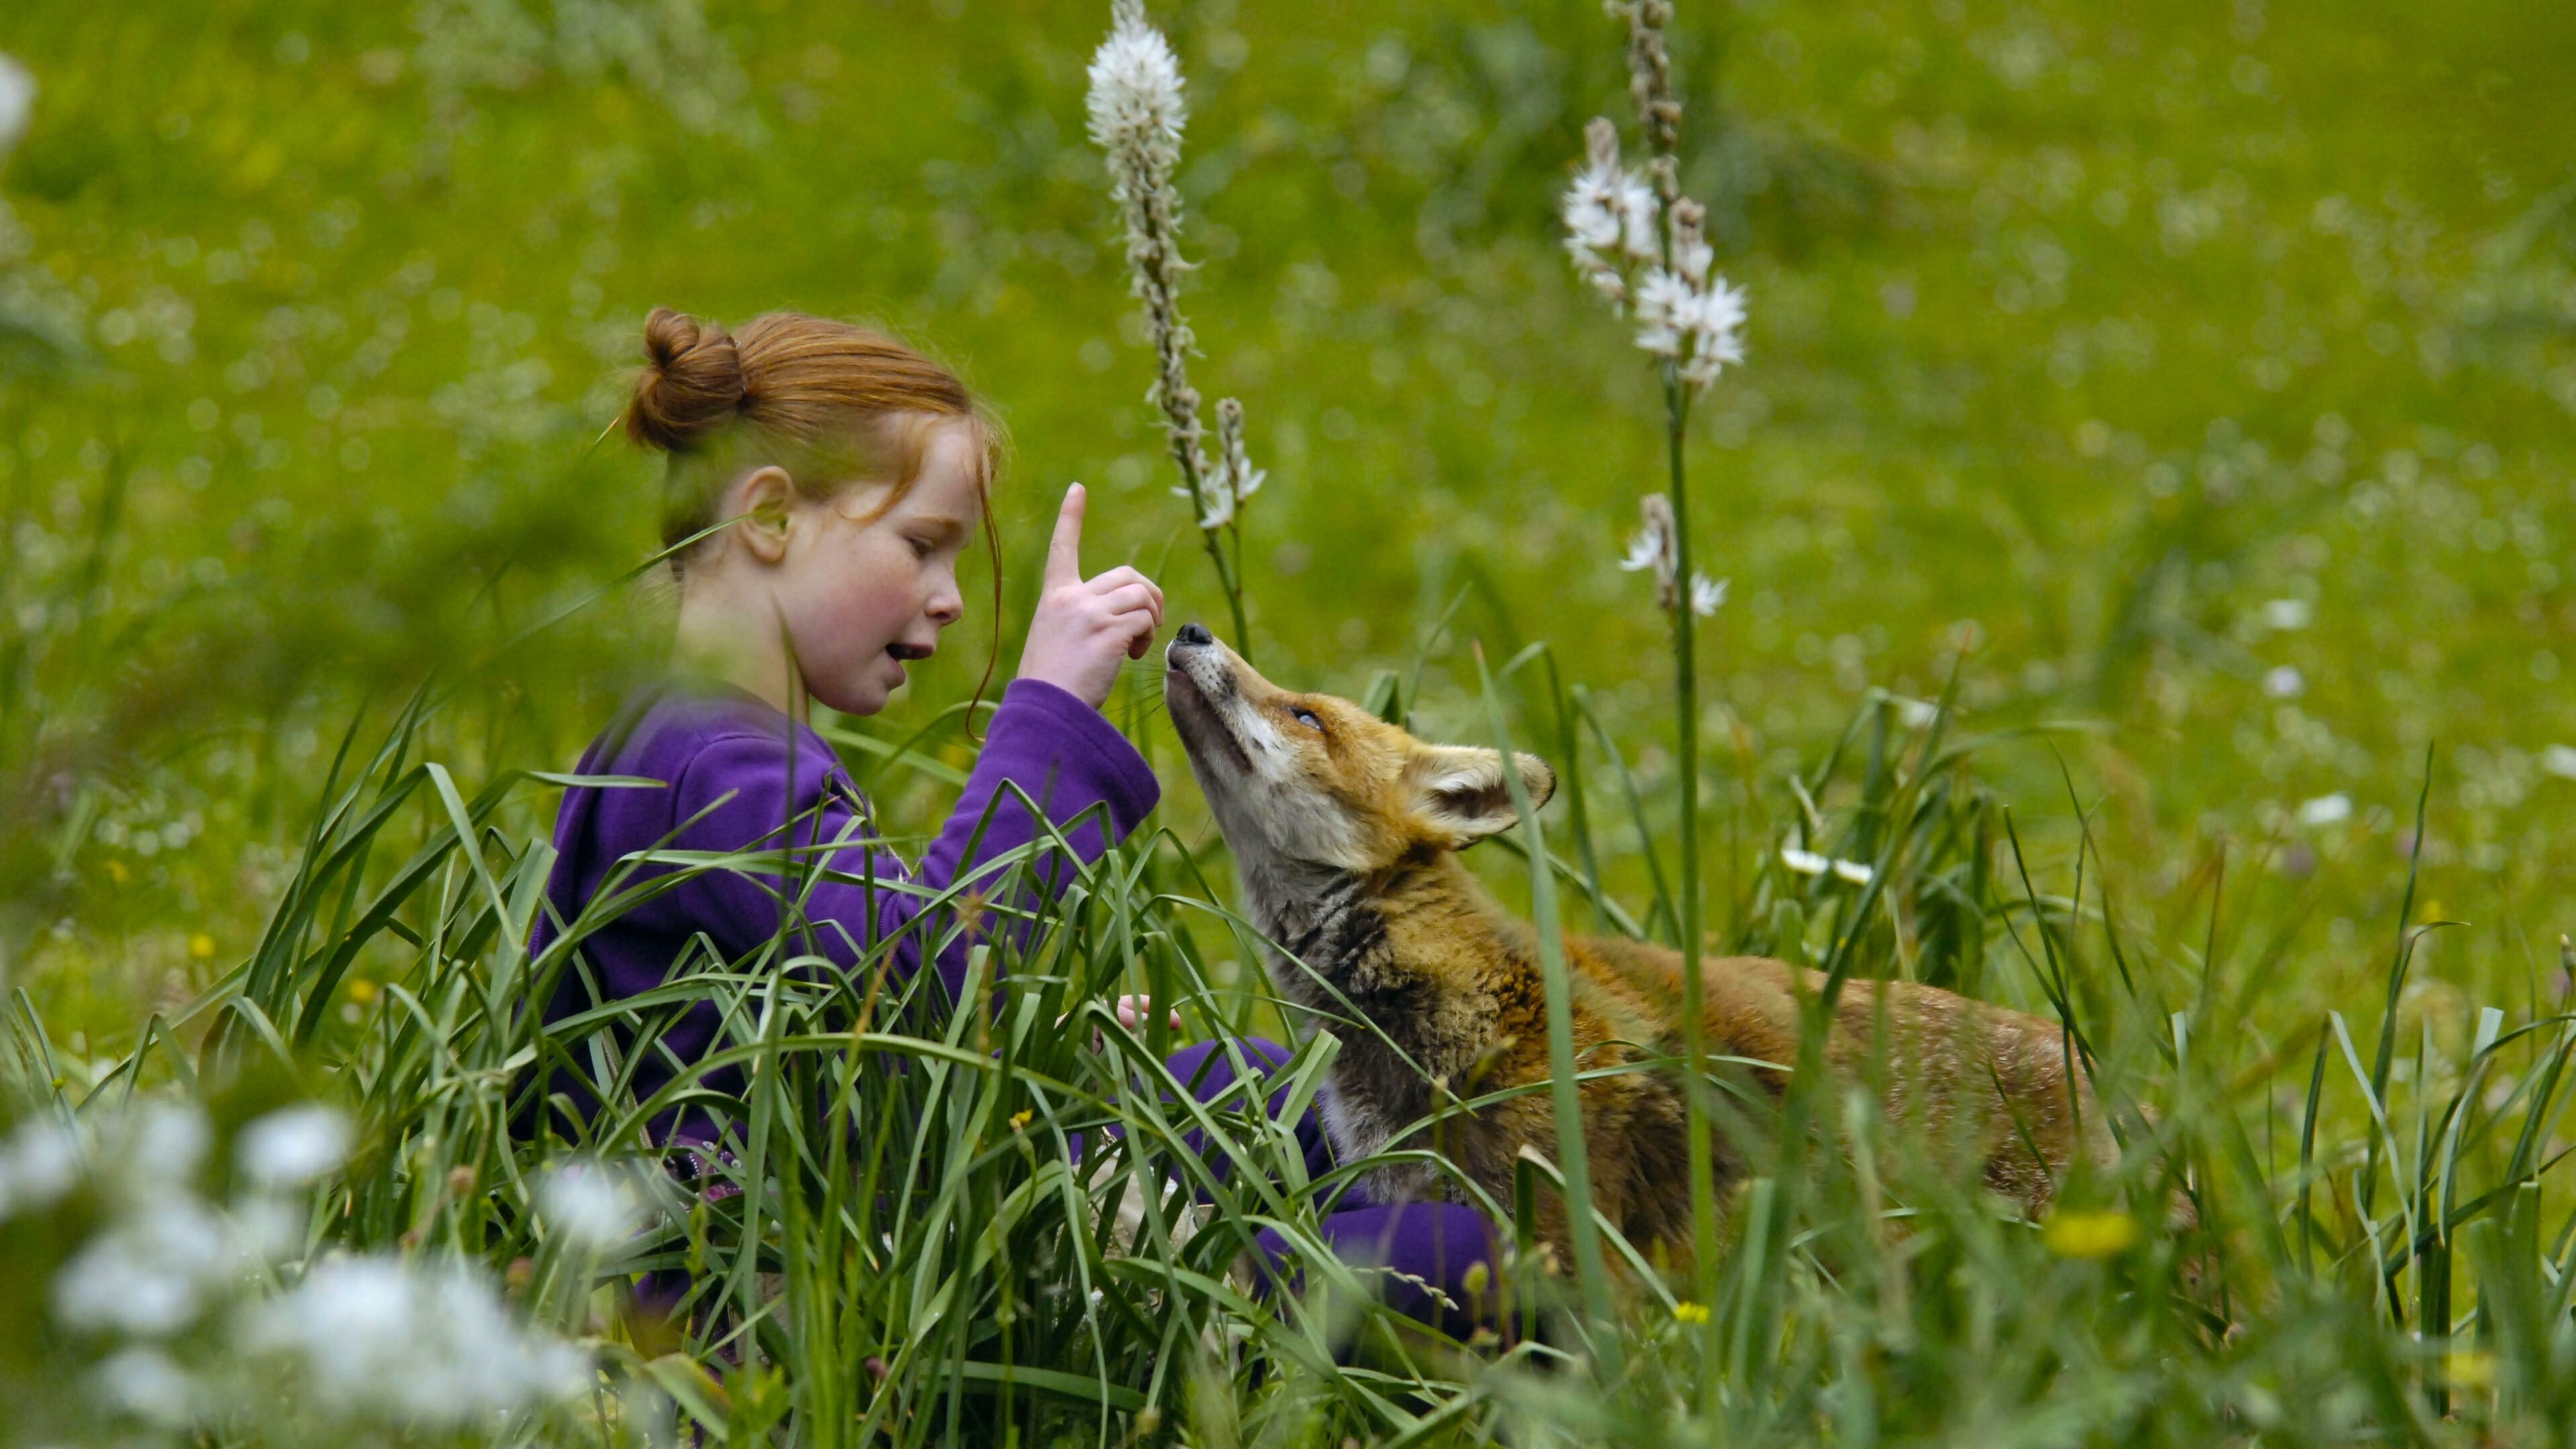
point(269, 1226)
point(2326, 810)
point(38, 1165)
point(148, 1384)
point(1219, 505)
point(1801, 861)
point(1236, 479)
point(591, 1204)
point(1666, 303)
point(169, 1145)
point(1657, 547)
point(1637, 221)
point(1242, 479)
point(1612, 220)
point(17, 101)
point(294, 1145)
point(1595, 207)
point(2287, 614)
point(1685, 314)
point(1644, 551)
point(426, 1344)
point(1716, 322)
point(1804, 862)
point(1916, 713)
point(2559, 760)
point(163, 1252)
point(2285, 682)
point(148, 1273)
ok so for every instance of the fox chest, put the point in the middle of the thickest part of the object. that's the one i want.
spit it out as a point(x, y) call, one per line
point(1410, 1048)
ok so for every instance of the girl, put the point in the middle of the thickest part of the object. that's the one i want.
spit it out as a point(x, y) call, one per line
point(822, 482)
point(849, 473)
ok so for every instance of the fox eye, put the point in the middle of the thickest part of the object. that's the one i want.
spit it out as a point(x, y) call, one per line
point(1307, 718)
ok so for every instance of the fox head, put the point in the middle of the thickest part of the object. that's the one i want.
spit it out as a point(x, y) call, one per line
point(1311, 780)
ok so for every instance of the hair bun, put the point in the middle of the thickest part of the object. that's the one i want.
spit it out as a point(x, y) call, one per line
point(692, 383)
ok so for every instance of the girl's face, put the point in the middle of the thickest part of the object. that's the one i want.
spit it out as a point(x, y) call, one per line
point(859, 597)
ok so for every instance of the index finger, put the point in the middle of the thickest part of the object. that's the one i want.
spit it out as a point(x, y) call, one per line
point(1064, 551)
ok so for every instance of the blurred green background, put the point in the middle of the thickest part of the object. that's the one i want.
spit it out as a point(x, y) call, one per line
point(2204, 371)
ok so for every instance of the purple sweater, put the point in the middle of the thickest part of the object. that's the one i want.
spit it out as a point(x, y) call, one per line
point(741, 776)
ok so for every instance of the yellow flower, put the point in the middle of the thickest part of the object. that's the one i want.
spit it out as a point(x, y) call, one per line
point(1687, 1312)
point(2469, 1369)
point(201, 946)
point(2090, 1235)
point(361, 990)
point(117, 873)
point(1020, 1119)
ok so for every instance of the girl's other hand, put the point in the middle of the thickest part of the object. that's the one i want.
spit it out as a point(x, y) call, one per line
point(1132, 1011)
point(1085, 628)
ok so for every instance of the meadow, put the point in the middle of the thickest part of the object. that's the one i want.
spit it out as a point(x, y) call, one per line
point(2139, 503)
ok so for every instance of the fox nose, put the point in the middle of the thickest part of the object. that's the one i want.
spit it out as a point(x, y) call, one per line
point(1194, 634)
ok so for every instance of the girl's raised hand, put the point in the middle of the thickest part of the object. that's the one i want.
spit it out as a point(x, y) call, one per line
point(1085, 628)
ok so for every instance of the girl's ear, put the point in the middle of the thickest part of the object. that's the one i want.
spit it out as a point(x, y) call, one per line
point(762, 501)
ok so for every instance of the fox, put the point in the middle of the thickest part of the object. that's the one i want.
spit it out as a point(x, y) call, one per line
point(1346, 832)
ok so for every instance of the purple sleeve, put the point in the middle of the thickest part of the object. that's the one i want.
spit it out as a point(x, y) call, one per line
point(763, 791)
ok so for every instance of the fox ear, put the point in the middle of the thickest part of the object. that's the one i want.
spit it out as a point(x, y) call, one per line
point(1460, 790)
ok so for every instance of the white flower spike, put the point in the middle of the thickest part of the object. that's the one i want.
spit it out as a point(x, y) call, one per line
point(1135, 107)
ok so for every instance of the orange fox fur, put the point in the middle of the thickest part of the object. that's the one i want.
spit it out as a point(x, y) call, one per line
point(1346, 831)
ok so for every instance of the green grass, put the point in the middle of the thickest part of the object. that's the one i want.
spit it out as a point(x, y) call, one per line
point(2079, 339)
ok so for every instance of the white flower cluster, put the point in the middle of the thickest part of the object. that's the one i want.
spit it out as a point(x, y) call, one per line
point(164, 1254)
point(1657, 546)
point(1653, 260)
point(169, 1287)
point(415, 1343)
point(38, 1164)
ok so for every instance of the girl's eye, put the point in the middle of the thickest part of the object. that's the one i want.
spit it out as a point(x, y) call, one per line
point(923, 548)
point(1307, 718)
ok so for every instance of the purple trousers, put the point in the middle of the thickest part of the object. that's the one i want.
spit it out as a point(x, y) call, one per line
point(1413, 1243)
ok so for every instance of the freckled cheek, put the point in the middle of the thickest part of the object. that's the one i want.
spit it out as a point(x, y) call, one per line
point(856, 613)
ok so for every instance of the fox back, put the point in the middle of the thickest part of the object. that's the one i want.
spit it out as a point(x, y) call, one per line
point(1346, 831)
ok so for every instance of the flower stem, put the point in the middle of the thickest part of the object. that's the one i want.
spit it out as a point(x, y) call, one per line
point(1180, 401)
point(1702, 1155)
